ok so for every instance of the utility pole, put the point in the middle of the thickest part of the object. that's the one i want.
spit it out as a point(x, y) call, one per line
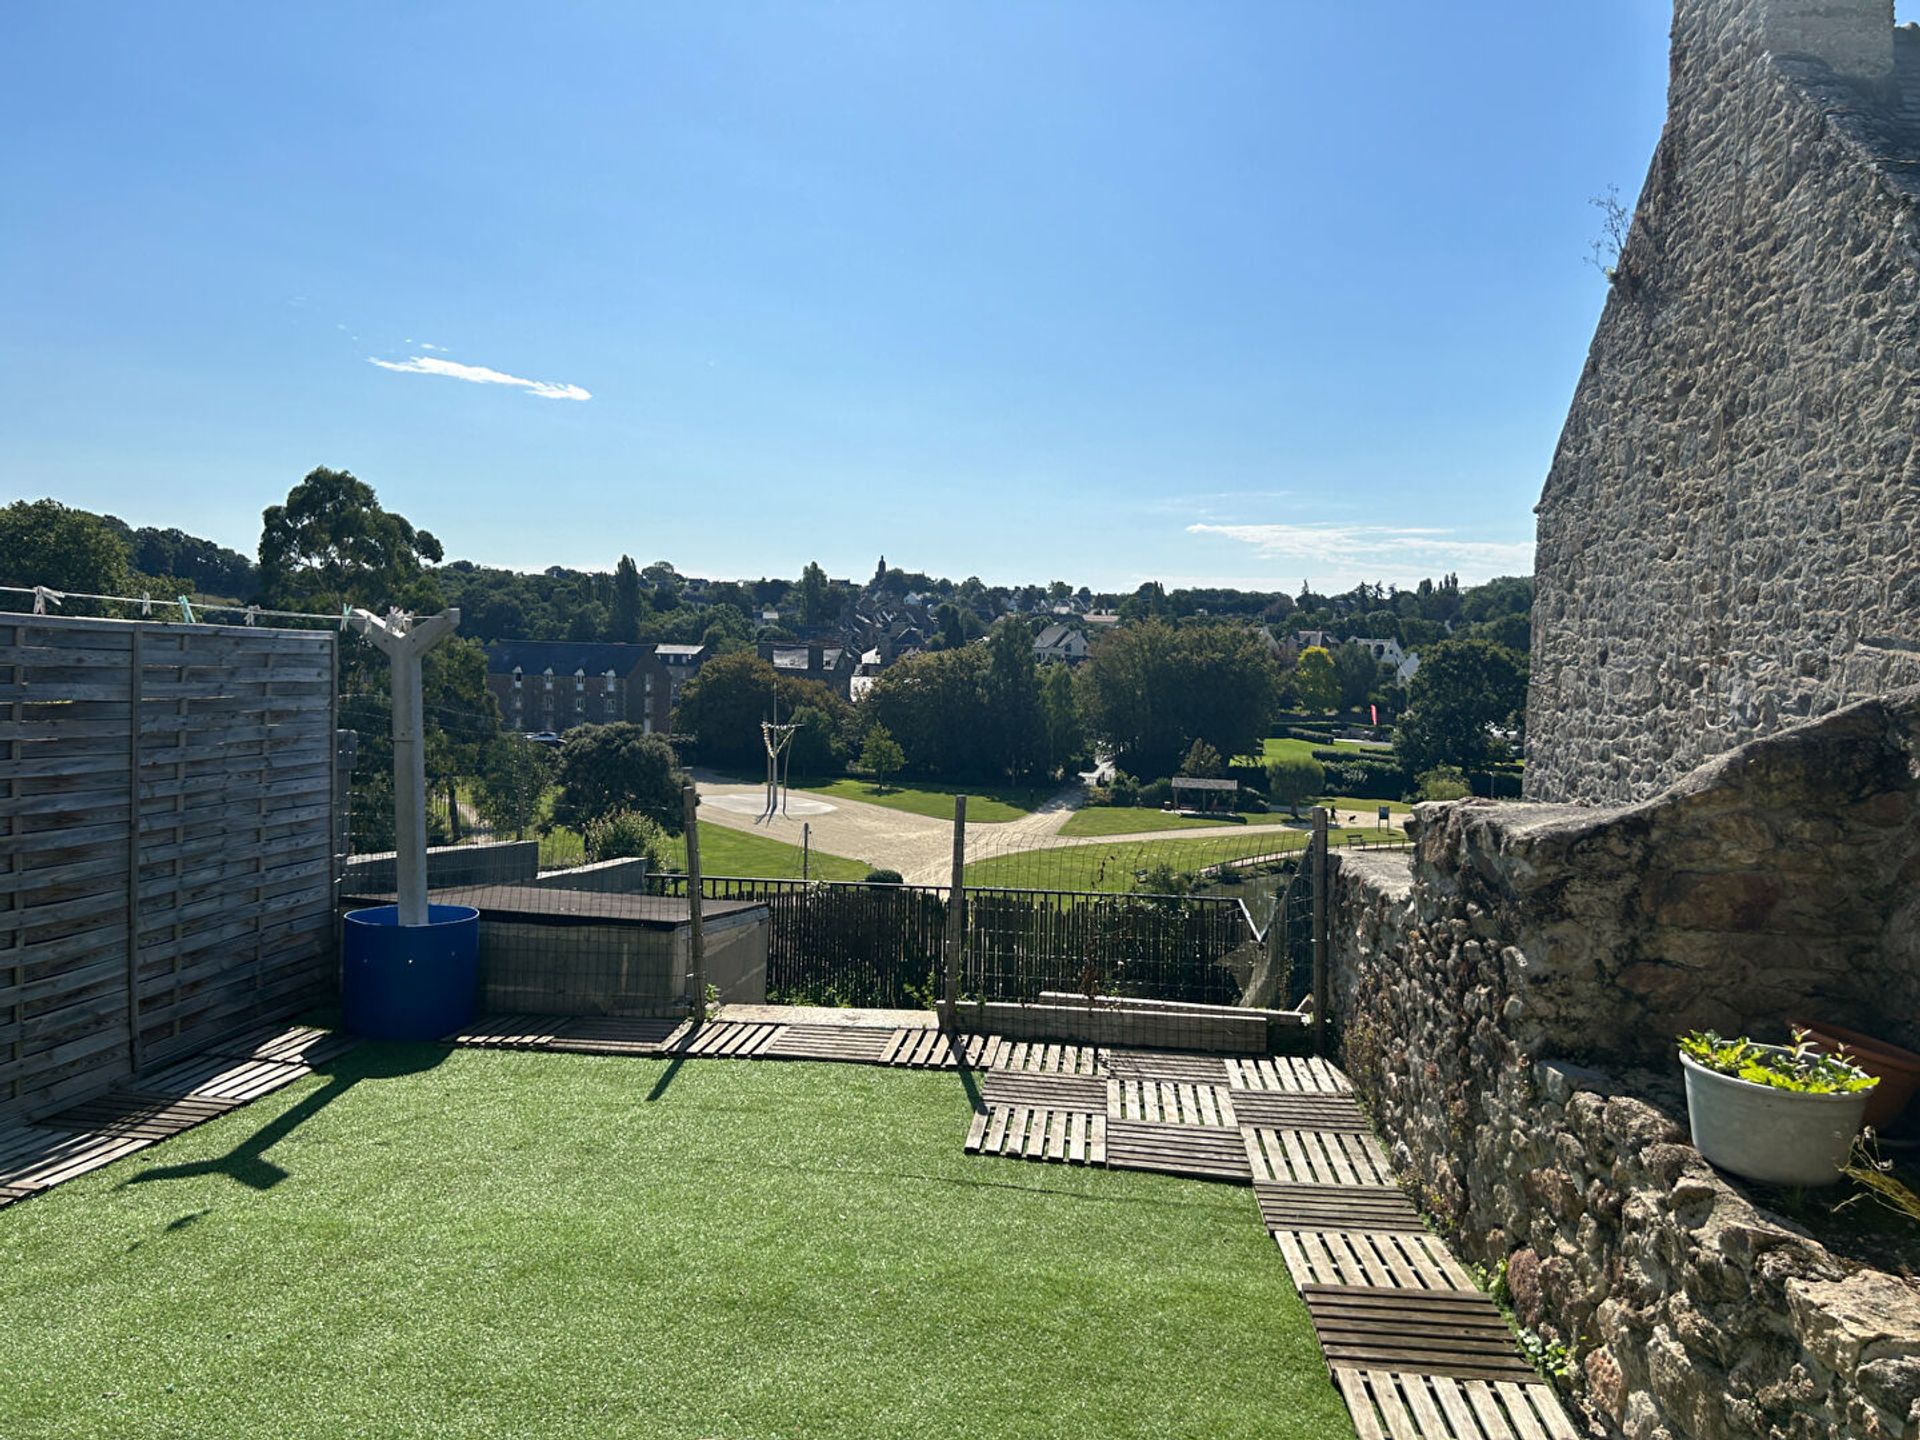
point(405, 642)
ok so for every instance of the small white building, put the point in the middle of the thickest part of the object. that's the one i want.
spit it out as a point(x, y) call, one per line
point(1060, 642)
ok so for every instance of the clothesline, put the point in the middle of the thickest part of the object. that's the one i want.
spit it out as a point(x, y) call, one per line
point(45, 595)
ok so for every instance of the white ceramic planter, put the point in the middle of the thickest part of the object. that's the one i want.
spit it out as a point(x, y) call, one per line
point(1778, 1137)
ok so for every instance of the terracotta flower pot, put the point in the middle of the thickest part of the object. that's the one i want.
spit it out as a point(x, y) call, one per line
point(1899, 1070)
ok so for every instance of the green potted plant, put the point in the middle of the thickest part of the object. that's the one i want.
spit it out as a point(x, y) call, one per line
point(1779, 1114)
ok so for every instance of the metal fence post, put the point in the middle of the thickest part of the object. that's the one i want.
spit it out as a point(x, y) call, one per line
point(1320, 930)
point(696, 938)
point(956, 913)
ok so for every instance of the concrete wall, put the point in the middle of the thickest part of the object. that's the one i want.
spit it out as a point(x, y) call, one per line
point(496, 863)
point(1508, 1000)
point(1729, 537)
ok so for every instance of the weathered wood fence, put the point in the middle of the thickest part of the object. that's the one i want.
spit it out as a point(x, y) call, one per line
point(850, 943)
point(167, 830)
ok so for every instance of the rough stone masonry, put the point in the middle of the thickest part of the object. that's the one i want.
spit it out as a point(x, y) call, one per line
point(1729, 537)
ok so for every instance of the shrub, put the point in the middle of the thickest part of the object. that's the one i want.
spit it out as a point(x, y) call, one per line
point(1156, 793)
point(880, 876)
point(1294, 778)
point(1801, 1066)
point(1124, 789)
point(626, 835)
point(1443, 782)
point(608, 768)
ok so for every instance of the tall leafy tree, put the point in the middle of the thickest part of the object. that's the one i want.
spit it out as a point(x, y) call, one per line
point(814, 609)
point(1066, 738)
point(513, 783)
point(607, 769)
point(1010, 693)
point(722, 707)
point(43, 542)
point(1356, 675)
point(332, 543)
point(881, 756)
point(1149, 691)
point(1315, 683)
point(627, 600)
point(1464, 689)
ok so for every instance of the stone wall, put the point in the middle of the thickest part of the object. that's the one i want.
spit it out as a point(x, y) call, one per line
point(1729, 536)
point(1507, 1000)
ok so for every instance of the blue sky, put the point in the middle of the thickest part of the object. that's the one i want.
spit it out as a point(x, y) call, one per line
point(1212, 293)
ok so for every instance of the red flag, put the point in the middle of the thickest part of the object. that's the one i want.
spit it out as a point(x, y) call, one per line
point(1374, 710)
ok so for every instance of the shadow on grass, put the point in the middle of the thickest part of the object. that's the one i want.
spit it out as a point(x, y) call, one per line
point(247, 1161)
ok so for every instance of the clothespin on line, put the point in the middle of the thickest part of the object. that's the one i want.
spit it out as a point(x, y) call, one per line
point(186, 610)
point(41, 595)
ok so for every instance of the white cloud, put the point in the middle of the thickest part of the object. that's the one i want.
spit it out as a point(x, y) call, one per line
point(481, 375)
point(429, 345)
point(1334, 555)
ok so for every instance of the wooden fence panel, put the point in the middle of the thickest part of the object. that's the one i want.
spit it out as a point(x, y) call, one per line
point(167, 802)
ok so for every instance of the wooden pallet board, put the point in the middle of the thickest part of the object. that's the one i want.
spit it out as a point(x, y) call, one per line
point(1393, 1260)
point(1048, 1058)
point(1199, 1151)
point(1169, 1102)
point(1051, 1091)
point(509, 1032)
point(122, 1112)
point(613, 1035)
point(1316, 1157)
point(1288, 1073)
point(293, 1044)
point(1167, 1065)
point(1394, 1405)
point(722, 1040)
point(33, 1159)
point(1075, 1137)
point(1282, 1110)
point(855, 1045)
point(217, 1077)
point(930, 1049)
point(1426, 1332)
point(13, 1195)
point(1355, 1208)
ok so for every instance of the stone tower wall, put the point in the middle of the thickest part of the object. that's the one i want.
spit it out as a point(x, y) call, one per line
point(1729, 537)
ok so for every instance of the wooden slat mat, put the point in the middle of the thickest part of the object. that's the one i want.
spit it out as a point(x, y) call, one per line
point(12, 1195)
point(929, 1049)
point(294, 1044)
point(1353, 1208)
point(1316, 1157)
point(1167, 1065)
point(1170, 1102)
point(1427, 1332)
point(1047, 1057)
point(510, 1032)
point(121, 1112)
point(1388, 1260)
point(853, 1044)
point(613, 1035)
point(1279, 1110)
point(1201, 1151)
point(1078, 1137)
point(1054, 1092)
point(1281, 1072)
point(33, 1159)
point(1392, 1405)
point(723, 1039)
point(217, 1077)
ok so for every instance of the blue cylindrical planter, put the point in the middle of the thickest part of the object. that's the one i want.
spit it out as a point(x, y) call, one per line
point(409, 982)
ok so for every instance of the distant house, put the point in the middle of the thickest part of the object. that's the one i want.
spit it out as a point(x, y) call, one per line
point(830, 665)
point(555, 685)
point(1061, 642)
point(681, 663)
point(1102, 619)
point(1388, 652)
point(865, 673)
point(769, 615)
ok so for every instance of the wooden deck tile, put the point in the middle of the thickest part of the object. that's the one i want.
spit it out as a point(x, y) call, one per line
point(1425, 1332)
point(33, 1159)
point(1316, 1157)
point(125, 1113)
point(1356, 1208)
point(1279, 1110)
point(1167, 1065)
point(929, 1049)
point(1075, 1137)
point(1387, 1260)
point(1053, 1091)
point(1048, 1057)
point(612, 1035)
point(852, 1044)
point(723, 1040)
point(1288, 1073)
point(12, 1195)
point(1201, 1151)
point(294, 1044)
point(216, 1077)
point(509, 1032)
point(1170, 1102)
point(1395, 1405)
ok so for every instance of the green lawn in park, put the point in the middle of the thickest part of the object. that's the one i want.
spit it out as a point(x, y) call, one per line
point(723, 851)
point(1113, 868)
point(419, 1242)
point(985, 803)
point(1274, 746)
point(1137, 819)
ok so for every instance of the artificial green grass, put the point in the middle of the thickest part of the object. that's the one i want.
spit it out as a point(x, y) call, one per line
point(485, 1244)
point(985, 804)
